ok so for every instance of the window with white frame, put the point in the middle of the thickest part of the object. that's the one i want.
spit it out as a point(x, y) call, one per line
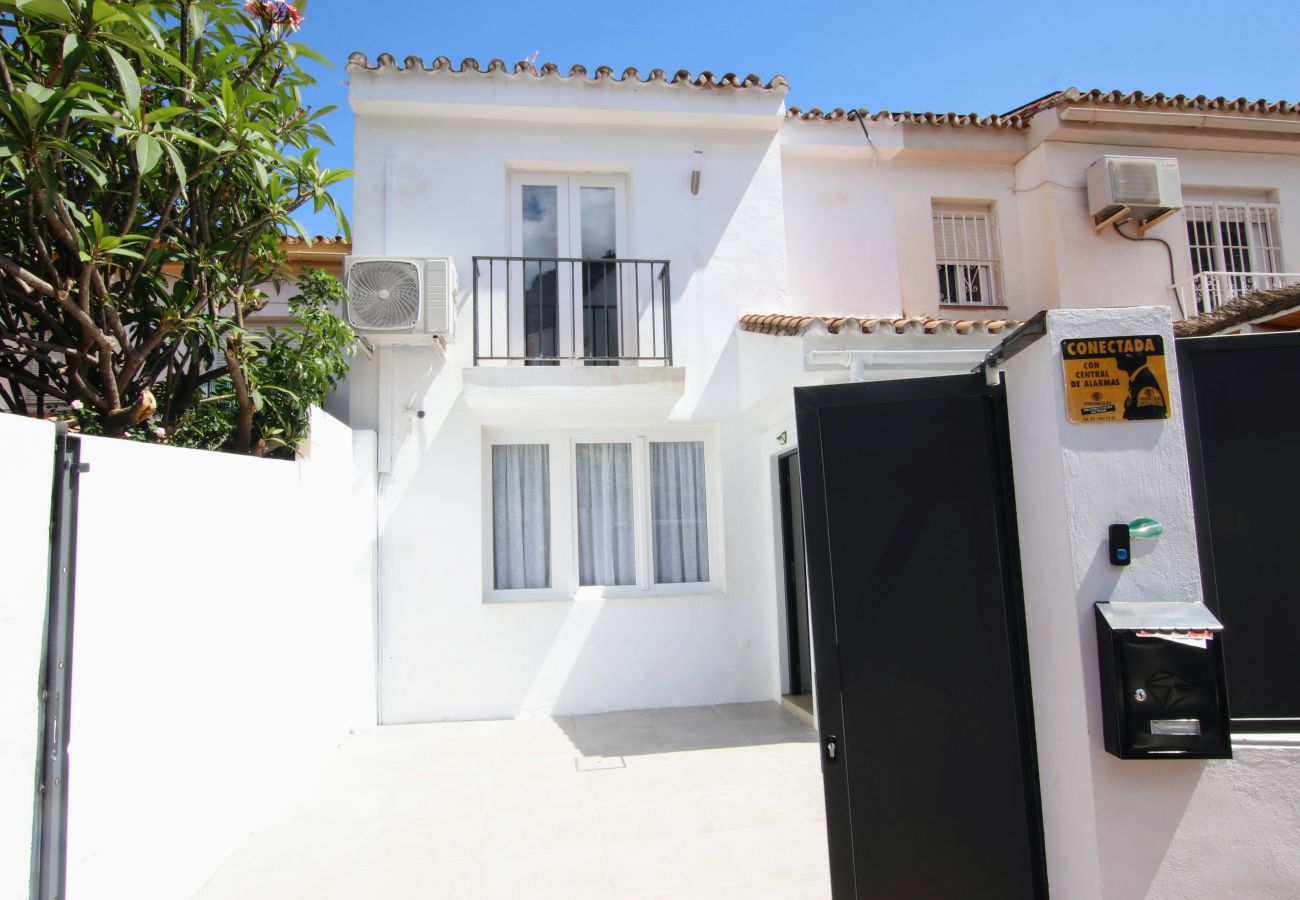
point(611, 512)
point(1233, 237)
point(967, 256)
point(1235, 248)
point(521, 516)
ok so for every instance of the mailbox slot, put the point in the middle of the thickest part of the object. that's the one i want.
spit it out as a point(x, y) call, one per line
point(1164, 694)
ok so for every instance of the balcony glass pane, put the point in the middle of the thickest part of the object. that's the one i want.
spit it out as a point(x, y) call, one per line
point(541, 237)
point(600, 321)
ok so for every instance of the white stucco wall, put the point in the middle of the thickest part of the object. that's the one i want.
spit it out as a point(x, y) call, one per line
point(27, 447)
point(446, 653)
point(1076, 267)
point(217, 658)
point(1118, 829)
point(860, 239)
point(796, 217)
point(858, 230)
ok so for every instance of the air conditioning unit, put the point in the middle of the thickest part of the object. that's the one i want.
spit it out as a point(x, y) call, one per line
point(401, 300)
point(1140, 188)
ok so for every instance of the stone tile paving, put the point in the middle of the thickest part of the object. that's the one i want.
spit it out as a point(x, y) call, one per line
point(708, 802)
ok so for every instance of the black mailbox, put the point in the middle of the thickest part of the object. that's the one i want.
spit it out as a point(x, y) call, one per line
point(1163, 690)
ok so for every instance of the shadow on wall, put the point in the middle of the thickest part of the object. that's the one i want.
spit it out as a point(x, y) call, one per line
point(645, 732)
point(1140, 791)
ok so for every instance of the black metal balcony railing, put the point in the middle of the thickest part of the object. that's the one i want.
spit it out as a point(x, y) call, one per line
point(543, 311)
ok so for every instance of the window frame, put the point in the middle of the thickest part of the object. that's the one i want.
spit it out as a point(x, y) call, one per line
point(997, 278)
point(1218, 259)
point(558, 576)
point(570, 333)
point(565, 570)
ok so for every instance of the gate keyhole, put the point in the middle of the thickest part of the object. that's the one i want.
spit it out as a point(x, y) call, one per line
point(832, 747)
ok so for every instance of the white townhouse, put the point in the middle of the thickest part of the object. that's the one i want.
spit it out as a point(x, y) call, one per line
point(587, 297)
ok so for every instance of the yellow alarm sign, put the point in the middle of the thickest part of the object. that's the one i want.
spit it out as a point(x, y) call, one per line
point(1115, 379)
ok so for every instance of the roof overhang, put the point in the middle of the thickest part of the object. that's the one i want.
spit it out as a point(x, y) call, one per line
point(547, 96)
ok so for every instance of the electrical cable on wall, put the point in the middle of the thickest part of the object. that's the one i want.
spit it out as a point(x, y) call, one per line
point(1173, 279)
point(861, 117)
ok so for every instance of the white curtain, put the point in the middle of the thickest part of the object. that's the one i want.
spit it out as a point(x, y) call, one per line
point(679, 507)
point(521, 516)
point(606, 550)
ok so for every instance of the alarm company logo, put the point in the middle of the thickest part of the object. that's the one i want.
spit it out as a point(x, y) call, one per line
point(1168, 689)
point(1115, 379)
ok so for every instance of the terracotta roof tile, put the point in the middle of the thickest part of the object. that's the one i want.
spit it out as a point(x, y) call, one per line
point(1156, 101)
point(789, 326)
point(525, 69)
point(1248, 309)
point(972, 120)
point(293, 239)
point(1020, 116)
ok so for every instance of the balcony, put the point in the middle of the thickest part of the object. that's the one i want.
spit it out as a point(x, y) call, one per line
point(1208, 291)
point(540, 311)
point(560, 334)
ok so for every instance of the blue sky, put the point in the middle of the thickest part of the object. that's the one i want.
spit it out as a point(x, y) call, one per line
point(984, 57)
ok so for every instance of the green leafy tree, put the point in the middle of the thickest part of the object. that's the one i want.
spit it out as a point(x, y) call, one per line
point(151, 156)
point(289, 370)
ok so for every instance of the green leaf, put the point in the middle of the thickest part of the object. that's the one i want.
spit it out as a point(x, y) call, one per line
point(38, 92)
point(305, 51)
point(126, 75)
point(227, 95)
point(198, 21)
point(47, 9)
point(147, 48)
point(147, 153)
point(165, 113)
point(177, 165)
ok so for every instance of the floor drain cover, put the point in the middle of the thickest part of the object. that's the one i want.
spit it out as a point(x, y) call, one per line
point(597, 763)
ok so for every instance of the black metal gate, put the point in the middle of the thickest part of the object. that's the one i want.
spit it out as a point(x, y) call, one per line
point(1244, 450)
point(922, 676)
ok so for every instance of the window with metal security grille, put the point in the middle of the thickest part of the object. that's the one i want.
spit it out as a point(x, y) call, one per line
point(1235, 248)
point(1233, 237)
point(968, 258)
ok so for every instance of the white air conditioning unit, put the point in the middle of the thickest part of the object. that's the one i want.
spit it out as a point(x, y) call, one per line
point(401, 300)
point(1140, 188)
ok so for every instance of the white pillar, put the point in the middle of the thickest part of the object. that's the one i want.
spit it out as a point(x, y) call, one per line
point(1108, 822)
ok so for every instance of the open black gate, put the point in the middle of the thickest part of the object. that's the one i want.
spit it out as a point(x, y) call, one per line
point(922, 675)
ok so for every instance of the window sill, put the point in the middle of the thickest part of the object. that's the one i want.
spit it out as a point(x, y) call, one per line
point(972, 306)
point(698, 590)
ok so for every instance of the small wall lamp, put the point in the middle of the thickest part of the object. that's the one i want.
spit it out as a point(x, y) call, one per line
point(697, 158)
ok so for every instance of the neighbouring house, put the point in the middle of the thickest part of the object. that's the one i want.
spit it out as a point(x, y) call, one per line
point(586, 498)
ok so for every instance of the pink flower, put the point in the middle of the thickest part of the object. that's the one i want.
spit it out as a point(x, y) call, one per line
point(77, 405)
point(160, 432)
point(274, 12)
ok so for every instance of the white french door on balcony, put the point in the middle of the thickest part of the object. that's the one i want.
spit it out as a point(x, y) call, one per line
point(564, 311)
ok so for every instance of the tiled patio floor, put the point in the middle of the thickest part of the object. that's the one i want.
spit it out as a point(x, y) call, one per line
point(711, 802)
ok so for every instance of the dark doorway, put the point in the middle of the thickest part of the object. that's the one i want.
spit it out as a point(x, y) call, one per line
point(798, 639)
point(922, 681)
point(1243, 444)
